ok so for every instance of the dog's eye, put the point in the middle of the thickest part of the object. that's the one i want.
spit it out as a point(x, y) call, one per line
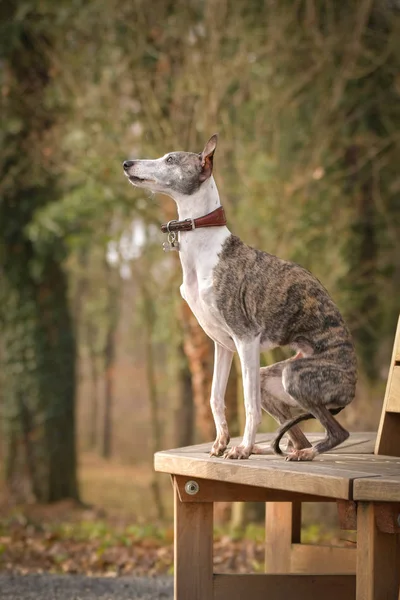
point(169, 160)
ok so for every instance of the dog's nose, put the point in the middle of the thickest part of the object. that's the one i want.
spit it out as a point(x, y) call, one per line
point(127, 164)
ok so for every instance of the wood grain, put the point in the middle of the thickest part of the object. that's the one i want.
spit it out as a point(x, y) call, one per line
point(282, 528)
point(284, 587)
point(299, 477)
point(222, 491)
point(388, 441)
point(357, 443)
point(193, 550)
point(378, 573)
point(396, 350)
point(393, 401)
point(308, 558)
point(329, 476)
point(379, 489)
point(388, 438)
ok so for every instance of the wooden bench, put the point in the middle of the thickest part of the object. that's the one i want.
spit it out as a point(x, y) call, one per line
point(362, 476)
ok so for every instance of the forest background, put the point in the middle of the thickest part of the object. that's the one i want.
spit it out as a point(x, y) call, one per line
point(102, 363)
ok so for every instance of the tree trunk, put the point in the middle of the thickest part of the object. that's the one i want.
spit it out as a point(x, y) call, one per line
point(184, 411)
point(39, 386)
point(59, 379)
point(109, 359)
point(199, 350)
point(156, 436)
point(94, 392)
point(38, 357)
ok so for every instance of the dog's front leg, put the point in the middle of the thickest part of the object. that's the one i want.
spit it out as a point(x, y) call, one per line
point(222, 366)
point(249, 354)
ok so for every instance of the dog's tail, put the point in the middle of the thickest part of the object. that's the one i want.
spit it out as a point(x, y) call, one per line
point(289, 424)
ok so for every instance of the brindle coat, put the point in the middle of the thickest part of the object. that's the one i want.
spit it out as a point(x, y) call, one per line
point(261, 294)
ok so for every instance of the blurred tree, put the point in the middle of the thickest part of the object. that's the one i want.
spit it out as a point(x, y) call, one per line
point(148, 307)
point(38, 346)
point(183, 432)
point(109, 360)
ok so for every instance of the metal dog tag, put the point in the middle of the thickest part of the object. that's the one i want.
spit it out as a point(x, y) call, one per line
point(172, 243)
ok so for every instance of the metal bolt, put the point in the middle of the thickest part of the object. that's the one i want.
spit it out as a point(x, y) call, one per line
point(398, 520)
point(191, 487)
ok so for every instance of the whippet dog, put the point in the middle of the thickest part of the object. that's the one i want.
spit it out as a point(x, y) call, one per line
point(247, 300)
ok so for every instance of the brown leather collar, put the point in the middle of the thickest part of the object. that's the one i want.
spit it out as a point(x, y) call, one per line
point(216, 218)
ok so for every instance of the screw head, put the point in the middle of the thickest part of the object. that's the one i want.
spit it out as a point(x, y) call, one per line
point(191, 487)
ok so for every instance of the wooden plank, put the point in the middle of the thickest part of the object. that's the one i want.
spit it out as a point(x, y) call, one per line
point(222, 491)
point(324, 464)
point(362, 466)
point(393, 401)
point(282, 528)
point(323, 559)
point(378, 573)
point(193, 550)
point(379, 489)
point(396, 350)
point(388, 441)
point(329, 476)
point(296, 477)
point(388, 438)
point(284, 587)
point(358, 443)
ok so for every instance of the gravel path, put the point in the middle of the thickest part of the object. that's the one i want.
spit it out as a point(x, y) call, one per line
point(77, 587)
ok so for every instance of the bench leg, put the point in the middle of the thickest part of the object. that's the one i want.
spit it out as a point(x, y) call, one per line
point(193, 549)
point(378, 570)
point(282, 529)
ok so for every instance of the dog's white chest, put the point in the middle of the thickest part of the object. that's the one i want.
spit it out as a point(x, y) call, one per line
point(197, 288)
point(202, 304)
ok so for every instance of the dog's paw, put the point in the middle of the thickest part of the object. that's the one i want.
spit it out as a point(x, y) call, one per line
point(238, 452)
point(303, 454)
point(218, 449)
point(220, 445)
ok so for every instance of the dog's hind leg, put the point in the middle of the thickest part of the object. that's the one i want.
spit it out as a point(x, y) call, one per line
point(335, 435)
point(222, 366)
point(319, 387)
point(277, 402)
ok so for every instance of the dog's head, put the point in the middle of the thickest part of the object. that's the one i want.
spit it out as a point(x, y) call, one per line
point(176, 173)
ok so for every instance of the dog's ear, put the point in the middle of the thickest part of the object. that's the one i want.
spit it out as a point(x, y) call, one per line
point(207, 157)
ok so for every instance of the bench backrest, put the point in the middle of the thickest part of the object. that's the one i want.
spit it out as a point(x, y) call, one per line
point(388, 439)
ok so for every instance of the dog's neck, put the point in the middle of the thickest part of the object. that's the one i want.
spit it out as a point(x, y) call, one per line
point(203, 201)
point(199, 248)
